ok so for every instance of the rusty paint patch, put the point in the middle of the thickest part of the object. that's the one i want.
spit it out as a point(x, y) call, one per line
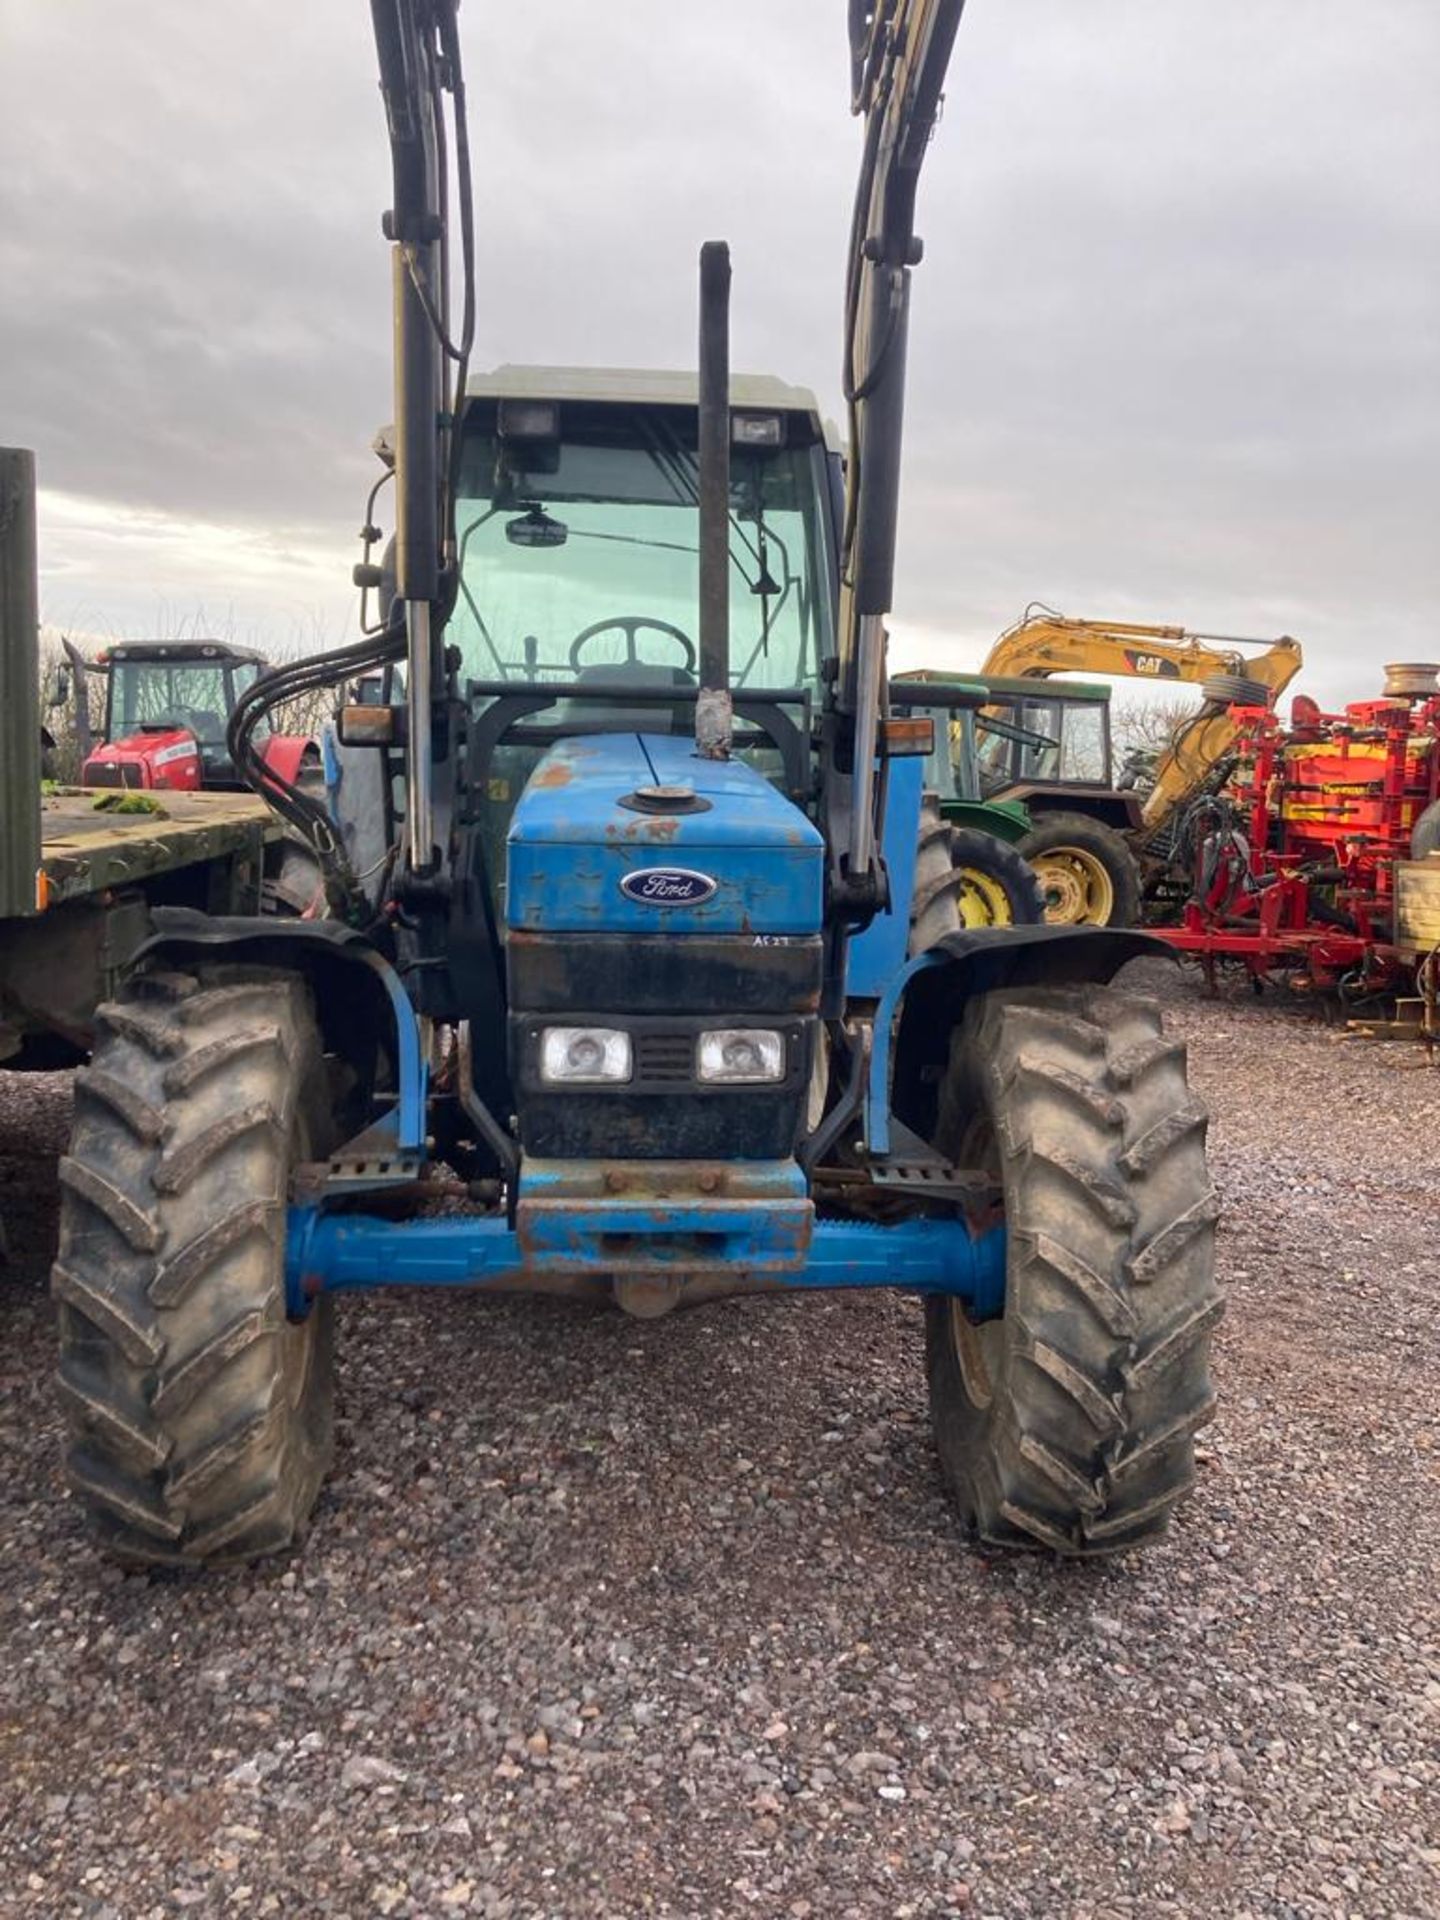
point(559, 773)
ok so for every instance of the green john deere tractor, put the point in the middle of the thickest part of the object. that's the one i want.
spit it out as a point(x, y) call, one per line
point(1030, 762)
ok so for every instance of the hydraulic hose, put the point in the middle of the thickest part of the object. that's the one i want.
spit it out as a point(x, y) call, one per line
point(307, 816)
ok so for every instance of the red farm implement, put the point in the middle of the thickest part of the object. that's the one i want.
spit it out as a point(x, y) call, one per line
point(1294, 862)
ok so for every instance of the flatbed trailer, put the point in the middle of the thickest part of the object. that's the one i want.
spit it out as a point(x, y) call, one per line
point(98, 877)
point(80, 870)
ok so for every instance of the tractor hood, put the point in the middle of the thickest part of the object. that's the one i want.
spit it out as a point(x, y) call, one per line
point(158, 757)
point(594, 848)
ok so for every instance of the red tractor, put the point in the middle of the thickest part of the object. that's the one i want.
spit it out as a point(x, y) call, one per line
point(167, 705)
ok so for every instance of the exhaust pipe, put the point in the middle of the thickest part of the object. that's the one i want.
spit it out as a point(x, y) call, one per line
point(714, 713)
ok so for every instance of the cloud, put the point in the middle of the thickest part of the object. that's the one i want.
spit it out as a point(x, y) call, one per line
point(1176, 349)
point(142, 573)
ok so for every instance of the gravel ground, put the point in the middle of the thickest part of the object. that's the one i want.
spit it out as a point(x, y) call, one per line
point(607, 1618)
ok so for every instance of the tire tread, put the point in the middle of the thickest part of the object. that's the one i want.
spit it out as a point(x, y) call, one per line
point(186, 1440)
point(1084, 1444)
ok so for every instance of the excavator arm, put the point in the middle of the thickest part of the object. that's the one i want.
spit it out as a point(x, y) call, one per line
point(1045, 642)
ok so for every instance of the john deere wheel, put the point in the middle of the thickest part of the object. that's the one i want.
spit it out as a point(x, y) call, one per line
point(1087, 873)
point(964, 878)
point(998, 886)
point(199, 1416)
point(1068, 1423)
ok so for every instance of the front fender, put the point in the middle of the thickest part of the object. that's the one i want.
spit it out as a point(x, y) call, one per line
point(283, 753)
point(926, 999)
point(364, 1011)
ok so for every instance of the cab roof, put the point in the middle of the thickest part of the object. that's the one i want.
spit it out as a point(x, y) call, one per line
point(1036, 687)
point(646, 386)
point(1014, 686)
point(180, 651)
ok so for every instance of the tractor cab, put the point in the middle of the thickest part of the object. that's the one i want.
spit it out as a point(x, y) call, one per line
point(1037, 733)
point(167, 711)
point(167, 706)
point(578, 528)
point(579, 550)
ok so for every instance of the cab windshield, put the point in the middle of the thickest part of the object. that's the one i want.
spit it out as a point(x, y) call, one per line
point(153, 694)
point(580, 555)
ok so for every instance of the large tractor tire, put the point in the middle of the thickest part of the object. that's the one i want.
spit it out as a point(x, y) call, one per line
point(965, 878)
point(293, 886)
point(1067, 1424)
point(200, 1417)
point(1088, 875)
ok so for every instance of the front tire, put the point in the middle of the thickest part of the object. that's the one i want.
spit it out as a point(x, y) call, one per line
point(965, 878)
point(1088, 875)
point(998, 886)
point(1067, 1424)
point(200, 1418)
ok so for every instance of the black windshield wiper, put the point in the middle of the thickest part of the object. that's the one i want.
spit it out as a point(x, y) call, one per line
point(683, 470)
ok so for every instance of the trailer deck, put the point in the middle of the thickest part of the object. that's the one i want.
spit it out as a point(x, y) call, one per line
point(72, 924)
point(87, 845)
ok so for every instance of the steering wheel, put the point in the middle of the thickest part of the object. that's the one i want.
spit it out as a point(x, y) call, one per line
point(630, 624)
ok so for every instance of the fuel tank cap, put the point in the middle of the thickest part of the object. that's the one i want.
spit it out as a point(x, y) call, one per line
point(665, 800)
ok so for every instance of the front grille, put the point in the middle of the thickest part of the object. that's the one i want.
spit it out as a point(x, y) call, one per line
point(664, 1112)
point(665, 1056)
point(658, 975)
point(113, 773)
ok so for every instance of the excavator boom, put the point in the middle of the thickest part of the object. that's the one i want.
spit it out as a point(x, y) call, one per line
point(1045, 642)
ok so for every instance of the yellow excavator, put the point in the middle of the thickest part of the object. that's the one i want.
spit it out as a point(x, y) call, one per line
point(1229, 676)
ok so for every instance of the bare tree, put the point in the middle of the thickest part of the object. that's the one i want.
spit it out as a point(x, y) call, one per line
point(1148, 726)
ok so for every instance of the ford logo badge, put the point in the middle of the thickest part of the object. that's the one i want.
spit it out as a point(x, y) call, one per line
point(667, 887)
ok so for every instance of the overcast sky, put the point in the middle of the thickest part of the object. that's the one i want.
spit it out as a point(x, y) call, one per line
point(1176, 339)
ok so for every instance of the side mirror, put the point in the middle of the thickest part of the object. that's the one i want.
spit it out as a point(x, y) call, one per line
point(57, 694)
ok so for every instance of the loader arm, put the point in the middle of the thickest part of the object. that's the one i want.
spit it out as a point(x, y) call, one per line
point(419, 52)
point(1044, 643)
point(899, 52)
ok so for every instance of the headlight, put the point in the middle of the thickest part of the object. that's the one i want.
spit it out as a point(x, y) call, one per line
point(587, 1055)
point(742, 1056)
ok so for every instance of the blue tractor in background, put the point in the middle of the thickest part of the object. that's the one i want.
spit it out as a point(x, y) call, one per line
point(647, 972)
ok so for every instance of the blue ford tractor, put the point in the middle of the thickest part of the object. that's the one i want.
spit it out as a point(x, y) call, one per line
point(645, 974)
